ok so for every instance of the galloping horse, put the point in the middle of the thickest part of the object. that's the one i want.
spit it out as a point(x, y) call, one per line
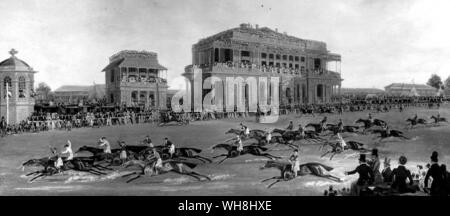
point(83, 164)
point(351, 145)
point(393, 133)
point(287, 172)
point(317, 127)
point(368, 124)
point(99, 155)
point(147, 167)
point(414, 122)
point(437, 120)
point(347, 128)
point(253, 133)
point(249, 149)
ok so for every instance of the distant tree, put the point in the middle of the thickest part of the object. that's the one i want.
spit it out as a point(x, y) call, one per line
point(435, 81)
point(43, 90)
point(447, 83)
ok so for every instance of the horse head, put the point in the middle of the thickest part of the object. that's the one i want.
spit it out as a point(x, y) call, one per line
point(272, 164)
point(232, 130)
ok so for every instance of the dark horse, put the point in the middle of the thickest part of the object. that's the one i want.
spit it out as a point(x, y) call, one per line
point(347, 128)
point(317, 127)
point(253, 133)
point(190, 153)
point(393, 133)
point(287, 172)
point(336, 149)
point(83, 164)
point(148, 167)
point(437, 120)
point(99, 155)
point(368, 124)
point(414, 122)
point(249, 149)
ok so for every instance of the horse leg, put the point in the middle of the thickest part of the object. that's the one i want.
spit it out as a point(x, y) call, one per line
point(325, 154)
point(269, 156)
point(129, 174)
point(132, 179)
point(333, 155)
point(222, 155)
point(34, 178)
point(204, 158)
point(276, 177)
point(102, 167)
point(198, 174)
point(32, 173)
point(279, 180)
point(223, 160)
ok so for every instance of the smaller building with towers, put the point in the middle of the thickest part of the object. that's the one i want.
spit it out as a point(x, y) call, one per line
point(136, 79)
point(18, 77)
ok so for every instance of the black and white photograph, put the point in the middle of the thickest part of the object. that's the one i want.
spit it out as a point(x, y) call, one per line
point(224, 98)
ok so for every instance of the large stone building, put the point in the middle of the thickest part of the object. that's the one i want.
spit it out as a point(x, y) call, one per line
point(407, 89)
point(308, 72)
point(73, 94)
point(136, 79)
point(19, 77)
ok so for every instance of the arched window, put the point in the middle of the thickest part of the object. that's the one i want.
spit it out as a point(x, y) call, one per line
point(7, 81)
point(22, 87)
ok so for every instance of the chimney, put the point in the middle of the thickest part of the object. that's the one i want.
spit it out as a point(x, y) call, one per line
point(276, 29)
point(256, 26)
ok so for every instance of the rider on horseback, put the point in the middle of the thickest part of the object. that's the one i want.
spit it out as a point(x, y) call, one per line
point(290, 127)
point(238, 143)
point(371, 118)
point(340, 126)
point(68, 150)
point(301, 130)
point(295, 162)
point(268, 137)
point(104, 142)
point(322, 123)
point(170, 146)
point(158, 164)
point(342, 144)
point(147, 141)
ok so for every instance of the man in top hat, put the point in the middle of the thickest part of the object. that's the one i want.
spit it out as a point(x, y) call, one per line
point(366, 176)
point(435, 172)
point(399, 176)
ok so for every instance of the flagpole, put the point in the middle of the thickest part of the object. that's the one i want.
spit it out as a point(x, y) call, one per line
point(7, 103)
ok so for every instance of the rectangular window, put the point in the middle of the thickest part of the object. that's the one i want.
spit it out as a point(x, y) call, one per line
point(284, 64)
point(291, 58)
point(270, 56)
point(112, 75)
point(264, 55)
point(263, 63)
point(277, 56)
point(296, 66)
point(302, 59)
point(270, 63)
point(284, 57)
point(290, 65)
point(296, 58)
point(245, 54)
point(277, 64)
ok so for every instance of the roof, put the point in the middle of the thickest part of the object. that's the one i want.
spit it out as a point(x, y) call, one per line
point(14, 64)
point(94, 91)
point(410, 86)
point(361, 90)
point(136, 59)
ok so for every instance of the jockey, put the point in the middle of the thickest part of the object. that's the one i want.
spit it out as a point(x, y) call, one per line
point(268, 137)
point(68, 150)
point(246, 131)
point(301, 130)
point(322, 123)
point(158, 164)
point(242, 126)
point(340, 125)
point(103, 142)
point(342, 142)
point(147, 141)
point(59, 163)
point(294, 159)
point(238, 143)
point(371, 118)
point(290, 127)
point(169, 145)
point(123, 151)
point(415, 117)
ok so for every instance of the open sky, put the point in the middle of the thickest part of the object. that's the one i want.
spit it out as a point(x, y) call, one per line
point(381, 41)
